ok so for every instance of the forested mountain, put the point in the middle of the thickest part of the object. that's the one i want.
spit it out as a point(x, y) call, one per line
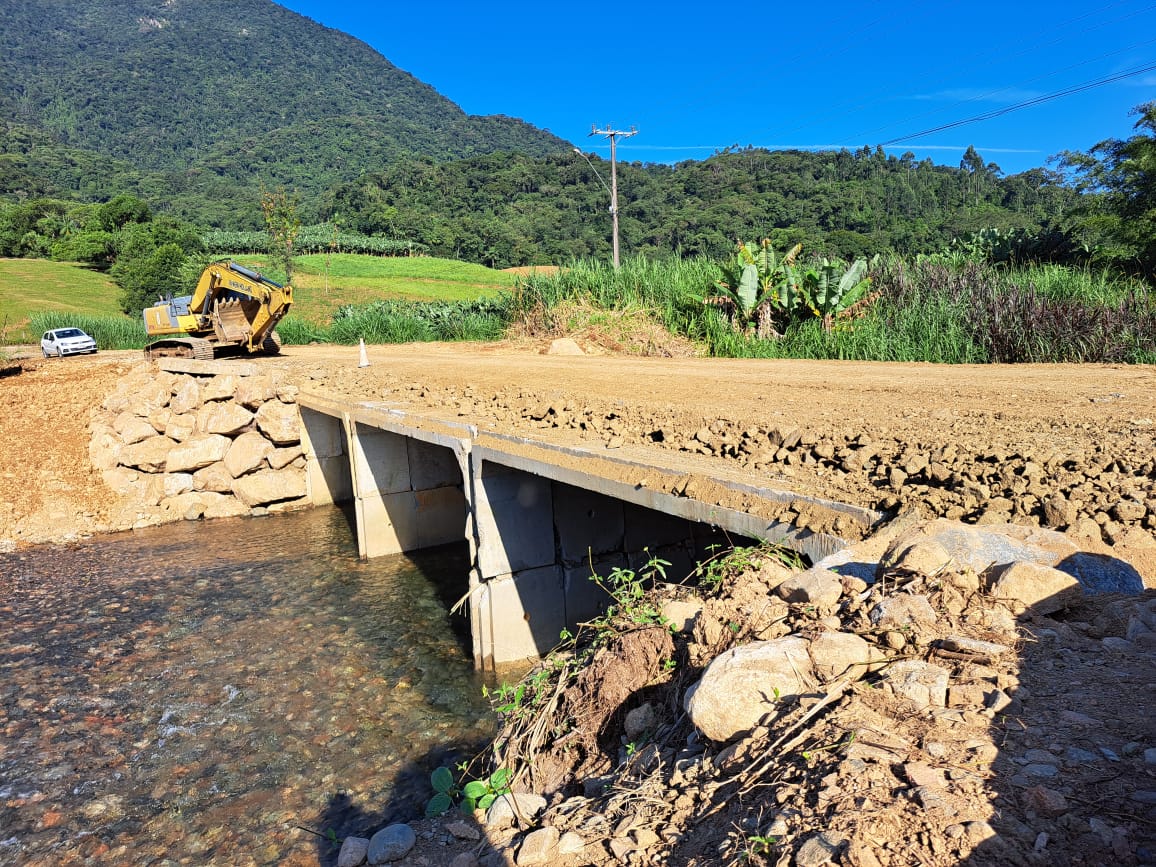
point(198, 106)
point(208, 96)
point(512, 209)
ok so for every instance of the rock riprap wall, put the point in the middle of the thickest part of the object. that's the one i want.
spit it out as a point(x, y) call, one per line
point(184, 446)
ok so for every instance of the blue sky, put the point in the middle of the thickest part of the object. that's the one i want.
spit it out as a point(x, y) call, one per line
point(697, 77)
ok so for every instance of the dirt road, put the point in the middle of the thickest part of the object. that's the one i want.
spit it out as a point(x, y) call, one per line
point(1063, 445)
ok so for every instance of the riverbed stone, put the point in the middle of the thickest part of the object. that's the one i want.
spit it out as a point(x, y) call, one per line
point(922, 682)
point(539, 847)
point(197, 452)
point(391, 843)
point(836, 654)
point(514, 808)
point(749, 685)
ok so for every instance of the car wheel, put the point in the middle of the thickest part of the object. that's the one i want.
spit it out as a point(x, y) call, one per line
point(45, 351)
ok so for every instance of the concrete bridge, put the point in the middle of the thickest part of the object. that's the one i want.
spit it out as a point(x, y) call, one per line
point(538, 517)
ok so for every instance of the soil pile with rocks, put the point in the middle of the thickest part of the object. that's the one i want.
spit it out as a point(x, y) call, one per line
point(934, 713)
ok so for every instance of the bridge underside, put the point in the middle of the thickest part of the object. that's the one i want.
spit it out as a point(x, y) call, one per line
point(539, 518)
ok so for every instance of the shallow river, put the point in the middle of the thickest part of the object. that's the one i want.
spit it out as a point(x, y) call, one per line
point(192, 694)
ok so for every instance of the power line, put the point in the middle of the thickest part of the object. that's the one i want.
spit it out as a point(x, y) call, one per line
point(1027, 103)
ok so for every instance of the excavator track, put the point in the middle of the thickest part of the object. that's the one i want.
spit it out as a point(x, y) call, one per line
point(180, 347)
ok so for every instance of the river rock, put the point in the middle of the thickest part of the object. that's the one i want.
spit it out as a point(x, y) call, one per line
point(200, 451)
point(903, 610)
point(223, 418)
point(353, 852)
point(269, 486)
point(988, 549)
point(390, 843)
point(247, 454)
point(280, 422)
point(923, 683)
point(746, 686)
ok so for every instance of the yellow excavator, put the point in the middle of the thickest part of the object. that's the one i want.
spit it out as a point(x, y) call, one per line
point(232, 310)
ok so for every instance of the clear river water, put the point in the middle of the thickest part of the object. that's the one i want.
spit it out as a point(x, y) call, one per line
point(199, 693)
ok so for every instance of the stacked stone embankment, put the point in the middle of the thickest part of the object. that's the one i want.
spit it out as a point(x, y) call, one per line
point(186, 446)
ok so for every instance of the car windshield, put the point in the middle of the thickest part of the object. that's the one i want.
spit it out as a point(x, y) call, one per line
point(70, 332)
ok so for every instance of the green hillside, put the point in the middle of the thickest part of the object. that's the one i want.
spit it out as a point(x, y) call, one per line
point(214, 97)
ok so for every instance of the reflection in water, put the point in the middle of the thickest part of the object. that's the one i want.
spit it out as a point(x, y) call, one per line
point(192, 693)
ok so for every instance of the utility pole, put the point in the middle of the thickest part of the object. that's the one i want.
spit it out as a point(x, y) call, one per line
point(613, 135)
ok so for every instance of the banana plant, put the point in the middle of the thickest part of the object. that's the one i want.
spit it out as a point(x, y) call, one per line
point(757, 288)
point(829, 291)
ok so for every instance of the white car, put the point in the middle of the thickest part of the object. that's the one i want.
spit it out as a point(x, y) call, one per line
point(66, 341)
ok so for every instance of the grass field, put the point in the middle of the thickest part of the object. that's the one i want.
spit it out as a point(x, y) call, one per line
point(31, 286)
point(320, 287)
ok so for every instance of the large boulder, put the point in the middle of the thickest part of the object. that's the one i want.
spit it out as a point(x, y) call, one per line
point(200, 451)
point(225, 418)
point(247, 454)
point(252, 391)
point(148, 455)
point(1025, 587)
point(748, 686)
point(187, 398)
point(280, 422)
point(989, 549)
point(269, 486)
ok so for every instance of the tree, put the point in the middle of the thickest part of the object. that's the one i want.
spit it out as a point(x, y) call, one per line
point(283, 224)
point(1120, 174)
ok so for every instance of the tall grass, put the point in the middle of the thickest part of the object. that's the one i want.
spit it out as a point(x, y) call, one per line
point(109, 332)
point(932, 310)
